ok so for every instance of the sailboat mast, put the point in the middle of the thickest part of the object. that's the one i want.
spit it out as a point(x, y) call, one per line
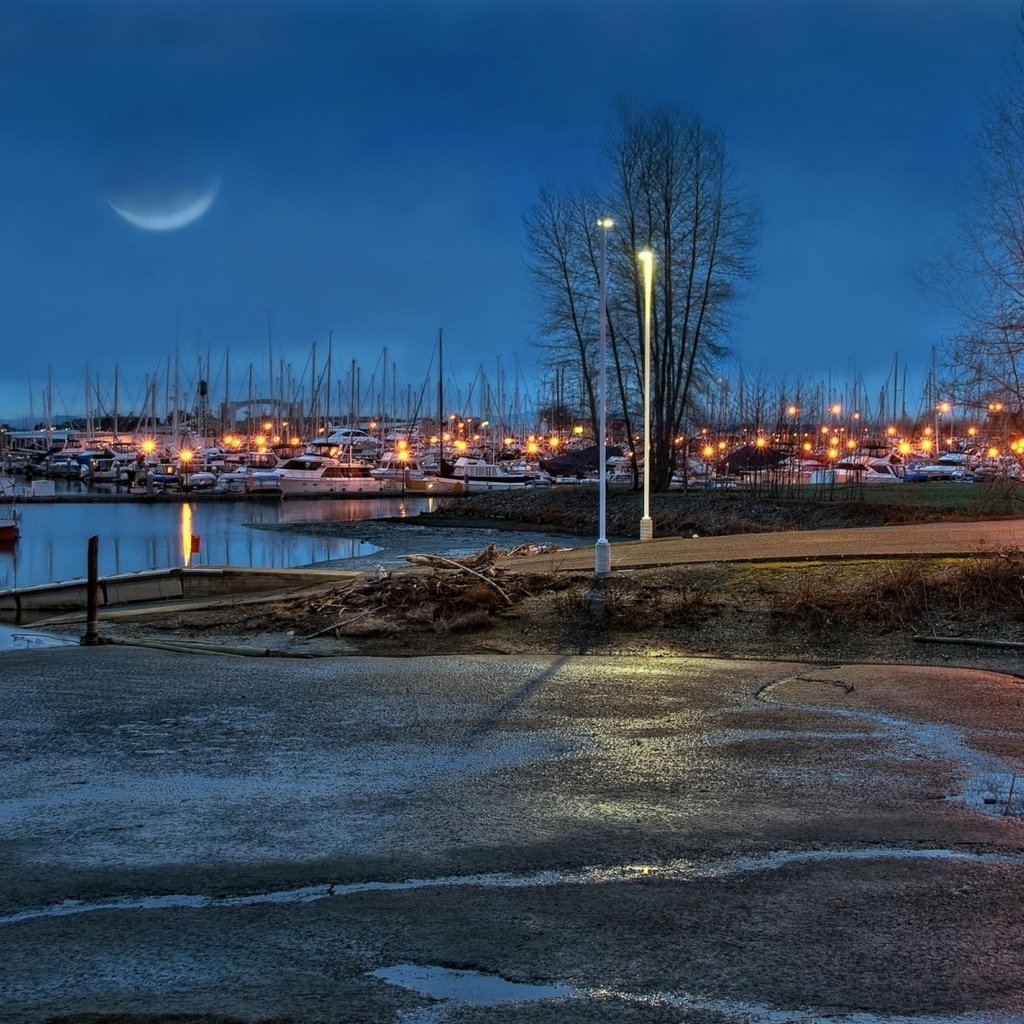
point(440, 396)
point(330, 352)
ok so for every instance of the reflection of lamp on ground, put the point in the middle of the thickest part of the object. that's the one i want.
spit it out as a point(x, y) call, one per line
point(646, 526)
point(602, 549)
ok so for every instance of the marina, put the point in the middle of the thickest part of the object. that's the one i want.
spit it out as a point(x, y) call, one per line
point(140, 536)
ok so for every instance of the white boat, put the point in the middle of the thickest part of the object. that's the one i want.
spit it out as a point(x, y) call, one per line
point(246, 479)
point(477, 475)
point(345, 443)
point(849, 471)
point(318, 474)
point(410, 474)
point(951, 466)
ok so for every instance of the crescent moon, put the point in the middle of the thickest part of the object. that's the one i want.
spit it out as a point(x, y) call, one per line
point(166, 219)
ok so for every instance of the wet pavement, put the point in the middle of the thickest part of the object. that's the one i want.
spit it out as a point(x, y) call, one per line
point(499, 839)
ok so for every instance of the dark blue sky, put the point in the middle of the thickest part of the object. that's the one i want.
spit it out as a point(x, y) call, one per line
point(374, 160)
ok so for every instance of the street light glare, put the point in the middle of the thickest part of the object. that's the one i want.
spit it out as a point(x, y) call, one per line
point(606, 223)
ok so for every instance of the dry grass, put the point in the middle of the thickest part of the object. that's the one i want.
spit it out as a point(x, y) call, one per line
point(628, 605)
point(988, 586)
point(894, 598)
point(910, 594)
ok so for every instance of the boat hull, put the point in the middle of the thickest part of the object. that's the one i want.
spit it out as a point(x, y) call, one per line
point(297, 487)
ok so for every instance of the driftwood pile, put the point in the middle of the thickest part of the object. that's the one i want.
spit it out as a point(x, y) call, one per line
point(442, 595)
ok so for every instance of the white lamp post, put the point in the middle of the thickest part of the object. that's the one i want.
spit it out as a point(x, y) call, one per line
point(646, 525)
point(602, 549)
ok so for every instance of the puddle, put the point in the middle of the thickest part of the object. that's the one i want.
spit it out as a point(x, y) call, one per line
point(475, 988)
point(681, 870)
point(986, 779)
point(21, 638)
point(469, 987)
point(724, 736)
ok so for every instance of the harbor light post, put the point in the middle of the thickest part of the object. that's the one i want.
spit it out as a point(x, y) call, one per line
point(602, 549)
point(646, 257)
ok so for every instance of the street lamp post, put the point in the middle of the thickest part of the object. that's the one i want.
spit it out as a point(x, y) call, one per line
point(602, 549)
point(646, 526)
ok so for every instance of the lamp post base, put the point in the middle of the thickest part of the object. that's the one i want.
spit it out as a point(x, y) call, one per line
point(602, 558)
point(646, 528)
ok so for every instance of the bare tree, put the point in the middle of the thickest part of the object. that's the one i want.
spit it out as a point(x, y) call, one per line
point(557, 239)
point(988, 354)
point(670, 190)
point(564, 251)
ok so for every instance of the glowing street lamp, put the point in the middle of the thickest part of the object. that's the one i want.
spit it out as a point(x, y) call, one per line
point(602, 549)
point(646, 525)
point(941, 410)
point(708, 452)
point(185, 457)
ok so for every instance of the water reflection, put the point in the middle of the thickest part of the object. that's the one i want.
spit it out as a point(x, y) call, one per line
point(135, 536)
point(186, 534)
point(297, 510)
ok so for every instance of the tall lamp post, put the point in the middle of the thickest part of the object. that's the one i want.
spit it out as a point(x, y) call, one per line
point(602, 549)
point(646, 525)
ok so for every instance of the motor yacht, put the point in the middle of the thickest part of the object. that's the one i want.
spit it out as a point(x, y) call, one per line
point(314, 475)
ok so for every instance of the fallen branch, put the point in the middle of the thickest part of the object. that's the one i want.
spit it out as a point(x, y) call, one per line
point(969, 641)
point(464, 568)
point(337, 625)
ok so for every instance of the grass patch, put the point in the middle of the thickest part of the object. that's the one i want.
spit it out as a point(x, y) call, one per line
point(896, 597)
point(979, 590)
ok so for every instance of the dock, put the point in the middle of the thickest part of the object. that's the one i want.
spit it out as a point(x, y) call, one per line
point(32, 605)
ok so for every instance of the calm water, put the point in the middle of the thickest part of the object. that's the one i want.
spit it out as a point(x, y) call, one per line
point(137, 536)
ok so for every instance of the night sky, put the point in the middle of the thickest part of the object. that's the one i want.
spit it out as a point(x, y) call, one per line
point(364, 168)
